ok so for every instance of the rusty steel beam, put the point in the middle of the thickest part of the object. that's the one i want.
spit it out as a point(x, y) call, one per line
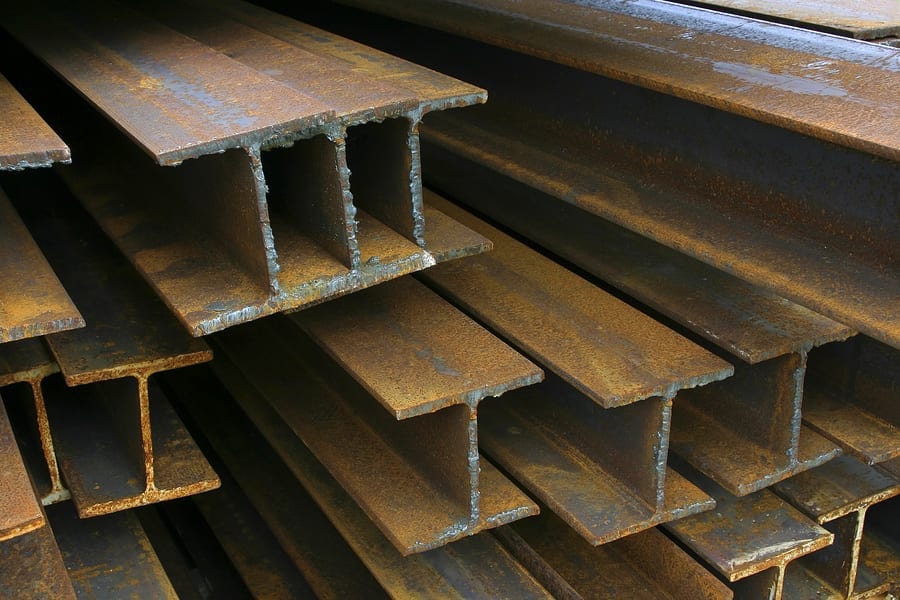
point(474, 566)
point(20, 511)
point(419, 448)
point(853, 398)
point(26, 141)
point(604, 353)
point(837, 495)
point(749, 540)
point(29, 362)
point(744, 432)
point(31, 566)
point(643, 565)
point(109, 556)
point(264, 217)
point(881, 542)
point(874, 20)
point(137, 451)
point(755, 199)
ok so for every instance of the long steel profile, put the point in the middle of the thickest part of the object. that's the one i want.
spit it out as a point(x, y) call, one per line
point(744, 432)
point(741, 169)
point(852, 398)
point(20, 511)
point(881, 542)
point(262, 216)
point(117, 441)
point(837, 495)
point(603, 421)
point(31, 566)
point(750, 540)
point(643, 565)
point(32, 300)
point(409, 454)
point(477, 566)
point(28, 362)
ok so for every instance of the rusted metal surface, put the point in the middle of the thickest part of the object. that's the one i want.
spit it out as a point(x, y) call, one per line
point(881, 542)
point(420, 479)
point(853, 398)
point(25, 139)
point(110, 556)
point(665, 167)
point(837, 495)
point(473, 567)
point(870, 21)
point(746, 431)
point(644, 565)
point(264, 218)
point(601, 346)
point(37, 304)
point(749, 540)
point(126, 462)
point(31, 566)
point(20, 511)
point(28, 362)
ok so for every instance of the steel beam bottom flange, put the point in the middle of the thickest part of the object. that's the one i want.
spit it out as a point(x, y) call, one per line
point(31, 566)
point(270, 463)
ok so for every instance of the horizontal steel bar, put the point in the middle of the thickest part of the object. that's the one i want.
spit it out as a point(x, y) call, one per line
point(745, 432)
point(473, 566)
point(31, 566)
point(759, 70)
point(109, 556)
point(603, 347)
point(838, 495)
point(429, 464)
point(29, 362)
point(853, 398)
point(25, 139)
point(37, 303)
point(878, 19)
point(748, 540)
point(20, 511)
point(643, 565)
point(133, 336)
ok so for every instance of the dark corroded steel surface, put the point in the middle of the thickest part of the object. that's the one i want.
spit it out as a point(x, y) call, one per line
point(745, 431)
point(25, 139)
point(172, 95)
point(881, 542)
point(109, 556)
point(31, 566)
point(863, 21)
point(474, 567)
point(643, 565)
point(20, 511)
point(751, 538)
point(838, 495)
point(815, 84)
point(853, 398)
point(413, 351)
point(29, 362)
point(132, 337)
point(32, 300)
point(419, 479)
point(601, 471)
point(603, 347)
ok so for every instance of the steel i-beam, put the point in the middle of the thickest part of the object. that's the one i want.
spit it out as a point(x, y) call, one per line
point(728, 139)
point(602, 421)
point(20, 511)
point(32, 300)
point(270, 121)
point(408, 421)
point(852, 398)
point(117, 441)
point(269, 475)
point(31, 566)
point(645, 565)
point(749, 540)
point(837, 495)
